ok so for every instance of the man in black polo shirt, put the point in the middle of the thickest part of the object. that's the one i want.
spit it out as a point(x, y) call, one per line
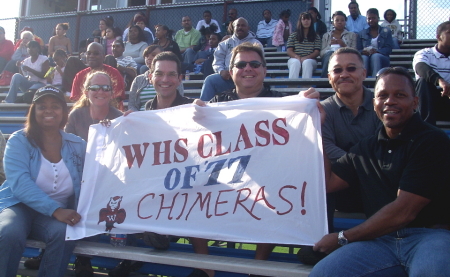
point(165, 76)
point(403, 173)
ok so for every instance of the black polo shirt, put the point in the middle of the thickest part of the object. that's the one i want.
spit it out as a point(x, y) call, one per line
point(417, 161)
point(230, 95)
point(179, 100)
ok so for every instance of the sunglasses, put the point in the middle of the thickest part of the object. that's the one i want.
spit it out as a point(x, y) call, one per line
point(243, 64)
point(99, 87)
point(349, 69)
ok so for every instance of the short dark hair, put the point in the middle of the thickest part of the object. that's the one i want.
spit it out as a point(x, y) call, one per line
point(166, 56)
point(120, 42)
point(390, 10)
point(247, 47)
point(373, 11)
point(265, 11)
point(336, 13)
point(353, 3)
point(397, 71)
point(346, 50)
point(141, 34)
point(207, 11)
point(34, 44)
point(152, 48)
point(444, 26)
point(218, 35)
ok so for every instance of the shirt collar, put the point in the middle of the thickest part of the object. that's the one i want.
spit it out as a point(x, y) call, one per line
point(438, 54)
point(367, 103)
point(176, 102)
point(412, 127)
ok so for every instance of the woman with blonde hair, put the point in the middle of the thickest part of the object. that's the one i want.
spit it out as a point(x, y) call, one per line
point(96, 104)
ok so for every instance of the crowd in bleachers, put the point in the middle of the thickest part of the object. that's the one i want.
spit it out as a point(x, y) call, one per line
point(112, 62)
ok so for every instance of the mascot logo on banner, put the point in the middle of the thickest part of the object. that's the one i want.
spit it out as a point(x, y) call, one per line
point(112, 213)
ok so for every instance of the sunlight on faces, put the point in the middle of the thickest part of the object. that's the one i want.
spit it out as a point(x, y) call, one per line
point(165, 79)
point(49, 112)
point(100, 97)
point(248, 78)
point(346, 83)
point(149, 58)
point(394, 102)
point(339, 22)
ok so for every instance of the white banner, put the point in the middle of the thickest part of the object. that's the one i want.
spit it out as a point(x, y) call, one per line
point(246, 171)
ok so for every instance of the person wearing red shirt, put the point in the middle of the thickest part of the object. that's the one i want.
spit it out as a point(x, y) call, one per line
point(6, 49)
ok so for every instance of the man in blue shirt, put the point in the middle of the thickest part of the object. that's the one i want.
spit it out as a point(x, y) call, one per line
point(355, 21)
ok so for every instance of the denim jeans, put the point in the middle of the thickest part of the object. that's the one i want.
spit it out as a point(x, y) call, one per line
point(188, 55)
point(375, 62)
point(19, 222)
point(325, 61)
point(407, 252)
point(18, 81)
point(214, 84)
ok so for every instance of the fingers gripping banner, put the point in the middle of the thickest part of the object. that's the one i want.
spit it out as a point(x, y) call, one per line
point(247, 171)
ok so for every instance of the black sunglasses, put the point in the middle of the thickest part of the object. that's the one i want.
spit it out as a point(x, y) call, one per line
point(98, 87)
point(243, 64)
point(349, 69)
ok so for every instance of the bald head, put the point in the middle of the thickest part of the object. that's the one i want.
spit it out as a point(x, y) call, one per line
point(241, 27)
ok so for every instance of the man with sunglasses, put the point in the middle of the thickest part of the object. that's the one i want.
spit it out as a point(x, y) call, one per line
point(95, 55)
point(402, 172)
point(221, 81)
point(432, 68)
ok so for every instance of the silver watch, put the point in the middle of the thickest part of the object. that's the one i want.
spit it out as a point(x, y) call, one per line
point(342, 240)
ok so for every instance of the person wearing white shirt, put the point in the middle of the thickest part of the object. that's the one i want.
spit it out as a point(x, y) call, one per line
point(265, 29)
point(207, 21)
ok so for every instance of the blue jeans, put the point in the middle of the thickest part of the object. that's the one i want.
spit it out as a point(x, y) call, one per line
point(19, 222)
point(214, 84)
point(395, 44)
point(19, 82)
point(375, 62)
point(407, 252)
point(325, 61)
point(188, 55)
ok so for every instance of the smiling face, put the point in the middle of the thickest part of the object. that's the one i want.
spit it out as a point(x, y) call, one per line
point(394, 102)
point(346, 83)
point(49, 112)
point(95, 55)
point(165, 79)
point(248, 79)
point(99, 98)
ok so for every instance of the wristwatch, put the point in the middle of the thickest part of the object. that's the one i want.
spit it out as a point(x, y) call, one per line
point(342, 240)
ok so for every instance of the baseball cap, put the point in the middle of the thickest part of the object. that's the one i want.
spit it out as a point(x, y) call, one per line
point(51, 91)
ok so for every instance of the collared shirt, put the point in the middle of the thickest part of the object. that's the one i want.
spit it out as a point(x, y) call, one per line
point(126, 61)
point(416, 161)
point(305, 47)
point(265, 30)
point(179, 100)
point(188, 39)
point(342, 129)
point(230, 95)
point(437, 61)
point(357, 25)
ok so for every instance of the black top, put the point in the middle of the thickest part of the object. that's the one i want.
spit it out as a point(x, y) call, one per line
point(179, 100)
point(231, 94)
point(417, 161)
point(171, 46)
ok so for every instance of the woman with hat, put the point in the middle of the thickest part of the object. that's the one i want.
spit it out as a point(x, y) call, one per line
point(43, 167)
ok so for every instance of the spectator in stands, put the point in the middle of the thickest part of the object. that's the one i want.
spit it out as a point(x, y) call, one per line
point(6, 49)
point(247, 60)
point(303, 47)
point(164, 39)
point(187, 39)
point(232, 16)
point(2, 152)
point(432, 68)
point(93, 106)
point(166, 76)
point(136, 45)
point(391, 22)
point(109, 39)
point(54, 74)
point(142, 21)
point(206, 58)
point(32, 74)
point(335, 39)
point(221, 80)
point(207, 21)
point(319, 25)
point(375, 44)
point(403, 174)
point(105, 23)
point(60, 40)
point(36, 202)
point(142, 89)
point(35, 37)
point(203, 43)
point(125, 64)
point(350, 118)
point(282, 31)
point(266, 28)
point(355, 21)
point(95, 57)
point(20, 54)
